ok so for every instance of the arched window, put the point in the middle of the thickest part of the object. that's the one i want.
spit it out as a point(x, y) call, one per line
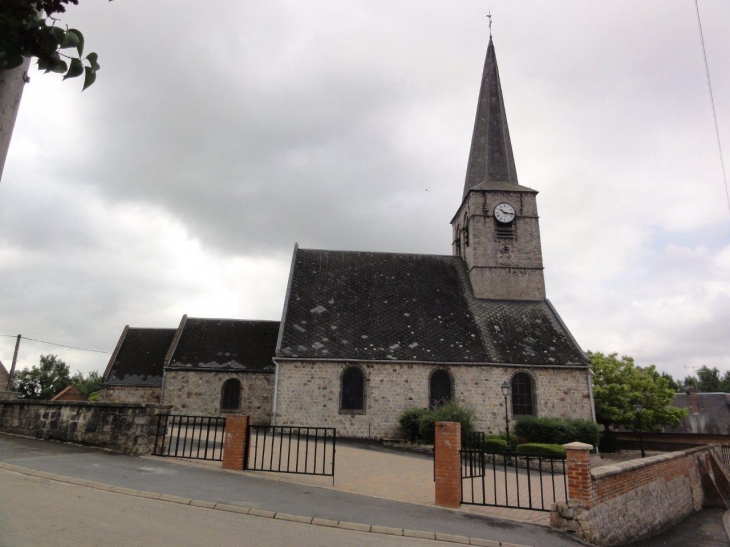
point(439, 388)
point(231, 396)
point(457, 241)
point(522, 395)
point(352, 398)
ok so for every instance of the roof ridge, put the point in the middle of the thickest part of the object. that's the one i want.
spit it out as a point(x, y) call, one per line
point(381, 253)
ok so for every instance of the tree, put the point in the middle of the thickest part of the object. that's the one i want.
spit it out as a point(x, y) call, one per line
point(43, 381)
point(29, 29)
point(618, 385)
point(88, 385)
point(673, 384)
point(708, 380)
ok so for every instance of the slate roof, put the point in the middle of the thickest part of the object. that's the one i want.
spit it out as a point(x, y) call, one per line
point(490, 155)
point(139, 358)
point(225, 344)
point(713, 417)
point(409, 307)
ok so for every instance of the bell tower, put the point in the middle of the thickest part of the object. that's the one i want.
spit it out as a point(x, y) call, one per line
point(496, 229)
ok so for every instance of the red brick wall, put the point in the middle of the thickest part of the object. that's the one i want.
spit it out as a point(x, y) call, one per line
point(611, 486)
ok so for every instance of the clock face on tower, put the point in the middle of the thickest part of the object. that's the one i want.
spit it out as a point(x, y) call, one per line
point(504, 213)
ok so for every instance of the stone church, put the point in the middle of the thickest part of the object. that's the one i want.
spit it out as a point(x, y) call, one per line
point(365, 335)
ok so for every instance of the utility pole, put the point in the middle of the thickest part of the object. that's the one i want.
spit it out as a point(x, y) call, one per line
point(12, 366)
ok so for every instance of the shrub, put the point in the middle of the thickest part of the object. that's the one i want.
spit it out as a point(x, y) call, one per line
point(556, 431)
point(418, 423)
point(542, 449)
point(494, 444)
point(409, 422)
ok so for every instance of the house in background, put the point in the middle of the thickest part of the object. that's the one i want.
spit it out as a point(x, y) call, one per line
point(69, 393)
point(366, 335)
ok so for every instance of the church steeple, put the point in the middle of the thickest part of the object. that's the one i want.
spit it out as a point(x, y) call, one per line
point(490, 157)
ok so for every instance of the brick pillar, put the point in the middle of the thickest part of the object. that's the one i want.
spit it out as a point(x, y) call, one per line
point(234, 442)
point(580, 487)
point(447, 472)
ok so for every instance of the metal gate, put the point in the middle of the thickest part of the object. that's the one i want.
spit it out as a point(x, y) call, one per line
point(292, 449)
point(511, 479)
point(197, 437)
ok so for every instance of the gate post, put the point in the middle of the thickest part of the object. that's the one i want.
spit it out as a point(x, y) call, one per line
point(580, 487)
point(447, 465)
point(234, 442)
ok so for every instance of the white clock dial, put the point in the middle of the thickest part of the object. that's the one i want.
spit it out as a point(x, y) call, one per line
point(504, 212)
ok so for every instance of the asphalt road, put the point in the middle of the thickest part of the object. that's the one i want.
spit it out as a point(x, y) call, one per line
point(46, 513)
point(239, 489)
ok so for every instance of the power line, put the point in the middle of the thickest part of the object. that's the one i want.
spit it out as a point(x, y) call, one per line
point(712, 102)
point(55, 344)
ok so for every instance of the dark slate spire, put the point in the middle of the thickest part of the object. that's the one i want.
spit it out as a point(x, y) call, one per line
point(490, 157)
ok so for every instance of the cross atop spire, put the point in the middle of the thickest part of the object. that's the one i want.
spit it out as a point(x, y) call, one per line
point(490, 158)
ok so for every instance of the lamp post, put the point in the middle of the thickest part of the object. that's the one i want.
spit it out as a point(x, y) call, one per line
point(505, 392)
point(637, 408)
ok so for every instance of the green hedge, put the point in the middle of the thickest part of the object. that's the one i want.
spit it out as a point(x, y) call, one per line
point(494, 444)
point(541, 449)
point(556, 431)
point(418, 424)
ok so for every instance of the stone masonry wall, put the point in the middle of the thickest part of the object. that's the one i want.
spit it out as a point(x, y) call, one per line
point(503, 268)
point(132, 394)
point(199, 393)
point(309, 395)
point(130, 429)
point(639, 498)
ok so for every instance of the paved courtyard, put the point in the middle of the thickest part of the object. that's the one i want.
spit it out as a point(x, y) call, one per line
point(399, 476)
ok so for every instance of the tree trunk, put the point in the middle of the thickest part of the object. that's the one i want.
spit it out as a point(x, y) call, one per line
point(11, 91)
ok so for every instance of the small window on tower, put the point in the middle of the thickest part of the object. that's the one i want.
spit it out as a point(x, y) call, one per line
point(457, 241)
point(466, 231)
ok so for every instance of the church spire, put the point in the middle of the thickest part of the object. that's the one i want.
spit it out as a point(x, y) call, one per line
point(490, 157)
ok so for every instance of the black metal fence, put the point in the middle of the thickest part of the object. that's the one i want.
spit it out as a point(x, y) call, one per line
point(725, 451)
point(519, 481)
point(292, 449)
point(197, 437)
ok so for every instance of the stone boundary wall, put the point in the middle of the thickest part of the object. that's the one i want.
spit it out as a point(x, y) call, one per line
point(625, 502)
point(668, 441)
point(8, 395)
point(126, 428)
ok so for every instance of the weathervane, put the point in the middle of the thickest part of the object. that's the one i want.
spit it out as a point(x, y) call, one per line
point(489, 16)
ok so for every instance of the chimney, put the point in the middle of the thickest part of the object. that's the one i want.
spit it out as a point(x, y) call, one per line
point(693, 406)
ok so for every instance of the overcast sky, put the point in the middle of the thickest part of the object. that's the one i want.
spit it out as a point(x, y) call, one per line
point(216, 138)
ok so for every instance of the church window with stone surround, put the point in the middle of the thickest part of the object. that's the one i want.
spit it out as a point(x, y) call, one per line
point(231, 396)
point(522, 395)
point(353, 391)
point(440, 388)
point(457, 241)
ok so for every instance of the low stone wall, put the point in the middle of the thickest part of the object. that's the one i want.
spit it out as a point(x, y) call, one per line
point(621, 503)
point(8, 395)
point(127, 428)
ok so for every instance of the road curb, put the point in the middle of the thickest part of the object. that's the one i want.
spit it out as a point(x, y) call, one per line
point(344, 525)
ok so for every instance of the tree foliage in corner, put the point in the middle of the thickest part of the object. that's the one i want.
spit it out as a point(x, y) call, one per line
point(89, 385)
point(28, 28)
point(618, 384)
point(45, 380)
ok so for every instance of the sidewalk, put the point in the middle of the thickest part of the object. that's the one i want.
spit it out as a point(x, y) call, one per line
point(245, 490)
